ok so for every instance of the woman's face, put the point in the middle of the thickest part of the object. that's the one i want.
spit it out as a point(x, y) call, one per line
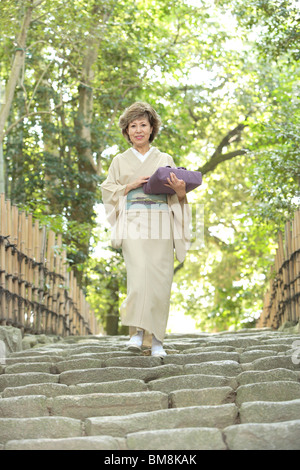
point(139, 131)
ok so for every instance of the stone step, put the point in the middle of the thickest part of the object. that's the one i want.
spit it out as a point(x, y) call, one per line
point(106, 404)
point(73, 443)
point(252, 376)
point(78, 363)
point(250, 356)
point(82, 406)
point(195, 416)
point(133, 361)
point(117, 386)
point(263, 436)
point(268, 391)
point(226, 368)
point(39, 427)
point(56, 389)
point(46, 389)
point(24, 406)
point(275, 362)
point(191, 381)
point(269, 411)
point(205, 396)
point(29, 367)
point(183, 359)
point(109, 374)
point(205, 349)
point(26, 378)
point(32, 359)
point(177, 439)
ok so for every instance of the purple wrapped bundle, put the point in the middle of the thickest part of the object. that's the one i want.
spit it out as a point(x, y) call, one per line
point(156, 183)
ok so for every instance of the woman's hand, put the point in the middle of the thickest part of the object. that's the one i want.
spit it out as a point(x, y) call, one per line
point(136, 184)
point(177, 185)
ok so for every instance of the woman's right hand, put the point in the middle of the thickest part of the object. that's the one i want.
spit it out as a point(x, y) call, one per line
point(136, 184)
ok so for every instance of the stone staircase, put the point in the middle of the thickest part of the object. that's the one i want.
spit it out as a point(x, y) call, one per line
point(213, 391)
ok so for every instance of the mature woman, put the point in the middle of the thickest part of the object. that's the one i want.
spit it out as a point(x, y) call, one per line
point(147, 227)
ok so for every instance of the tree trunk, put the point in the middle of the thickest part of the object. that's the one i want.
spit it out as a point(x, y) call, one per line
point(14, 75)
point(83, 204)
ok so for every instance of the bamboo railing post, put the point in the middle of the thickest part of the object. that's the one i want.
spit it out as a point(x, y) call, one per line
point(297, 262)
point(15, 266)
point(3, 229)
point(41, 291)
point(72, 325)
point(29, 273)
point(66, 295)
point(49, 281)
point(9, 260)
point(35, 276)
point(22, 240)
point(294, 271)
point(58, 284)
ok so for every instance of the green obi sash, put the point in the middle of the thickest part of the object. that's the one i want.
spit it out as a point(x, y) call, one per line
point(138, 200)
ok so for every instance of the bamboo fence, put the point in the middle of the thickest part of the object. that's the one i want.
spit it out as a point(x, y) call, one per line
point(282, 299)
point(38, 289)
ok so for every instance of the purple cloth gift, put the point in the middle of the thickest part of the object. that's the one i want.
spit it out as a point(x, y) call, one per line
point(156, 183)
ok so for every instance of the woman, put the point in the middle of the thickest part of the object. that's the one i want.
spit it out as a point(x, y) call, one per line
point(147, 227)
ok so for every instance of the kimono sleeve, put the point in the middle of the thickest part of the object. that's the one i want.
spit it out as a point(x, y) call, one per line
point(113, 192)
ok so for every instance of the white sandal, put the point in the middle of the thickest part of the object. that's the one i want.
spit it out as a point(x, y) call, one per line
point(135, 342)
point(157, 349)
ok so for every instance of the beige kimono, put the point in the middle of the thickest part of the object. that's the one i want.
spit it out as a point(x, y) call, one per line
point(148, 228)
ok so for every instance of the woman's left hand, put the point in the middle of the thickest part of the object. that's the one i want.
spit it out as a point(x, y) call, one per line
point(177, 185)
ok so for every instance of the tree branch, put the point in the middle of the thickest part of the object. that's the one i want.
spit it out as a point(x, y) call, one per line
point(233, 136)
point(216, 160)
point(218, 156)
point(35, 113)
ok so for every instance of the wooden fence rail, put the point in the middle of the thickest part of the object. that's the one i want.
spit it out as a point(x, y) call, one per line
point(38, 289)
point(282, 299)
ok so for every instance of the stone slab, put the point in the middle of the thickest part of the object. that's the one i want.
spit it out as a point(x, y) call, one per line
point(46, 389)
point(201, 357)
point(73, 443)
point(225, 368)
point(264, 436)
point(78, 363)
point(109, 374)
point(29, 367)
point(205, 349)
point(250, 356)
point(107, 404)
point(177, 439)
point(269, 412)
point(25, 407)
point(42, 427)
point(194, 416)
point(29, 359)
point(272, 375)
point(205, 396)
point(26, 378)
point(236, 342)
point(133, 361)
point(117, 386)
point(191, 381)
point(275, 362)
point(268, 391)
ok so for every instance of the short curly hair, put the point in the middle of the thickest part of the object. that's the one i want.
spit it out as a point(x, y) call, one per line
point(140, 110)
